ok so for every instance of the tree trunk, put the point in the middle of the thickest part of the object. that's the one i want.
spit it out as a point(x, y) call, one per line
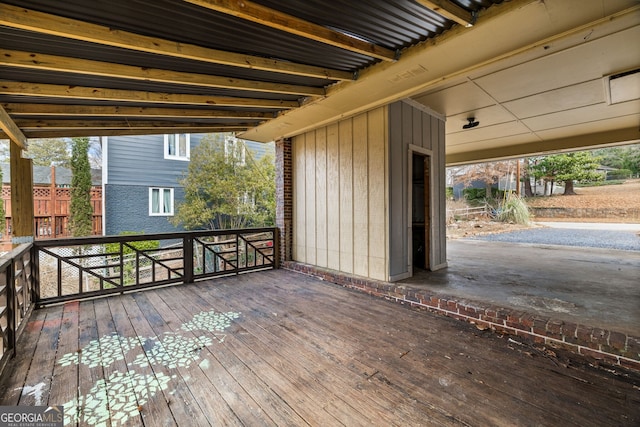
point(528, 192)
point(487, 190)
point(568, 188)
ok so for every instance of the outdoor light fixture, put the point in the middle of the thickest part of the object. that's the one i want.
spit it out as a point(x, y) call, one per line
point(472, 123)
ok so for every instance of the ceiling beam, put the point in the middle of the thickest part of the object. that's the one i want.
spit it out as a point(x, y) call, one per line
point(450, 11)
point(76, 133)
point(572, 143)
point(106, 94)
point(62, 110)
point(38, 61)
point(12, 130)
point(263, 15)
point(25, 19)
point(30, 125)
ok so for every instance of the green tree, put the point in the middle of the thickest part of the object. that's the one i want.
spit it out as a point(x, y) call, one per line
point(627, 157)
point(49, 152)
point(578, 166)
point(225, 188)
point(489, 173)
point(81, 211)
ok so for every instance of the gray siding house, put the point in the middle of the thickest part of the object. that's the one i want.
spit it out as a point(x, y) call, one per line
point(141, 179)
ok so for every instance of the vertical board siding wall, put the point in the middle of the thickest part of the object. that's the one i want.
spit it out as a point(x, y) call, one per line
point(340, 177)
point(409, 125)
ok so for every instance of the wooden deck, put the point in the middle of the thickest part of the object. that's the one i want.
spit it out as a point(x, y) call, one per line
point(279, 348)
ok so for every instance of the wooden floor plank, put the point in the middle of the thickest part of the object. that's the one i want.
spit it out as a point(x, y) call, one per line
point(282, 348)
point(143, 389)
point(339, 381)
point(64, 384)
point(204, 370)
point(104, 356)
point(311, 399)
point(511, 395)
point(224, 361)
point(481, 360)
point(17, 368)
point(37, 385)
point(178, 356)
point(93, 400)
point(366, 377)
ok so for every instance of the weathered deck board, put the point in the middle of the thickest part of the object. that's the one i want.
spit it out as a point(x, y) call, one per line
point(278, 348)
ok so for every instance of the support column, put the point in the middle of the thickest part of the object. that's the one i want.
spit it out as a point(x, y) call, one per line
point(21, 196)
point(284, 198)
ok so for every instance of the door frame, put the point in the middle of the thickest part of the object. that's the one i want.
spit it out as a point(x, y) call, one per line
point(416, 149)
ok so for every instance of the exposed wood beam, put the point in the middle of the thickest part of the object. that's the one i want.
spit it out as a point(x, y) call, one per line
point(116, 132)
point(571, 143)
point(25, 19)
point(12, 130)
point(106, 94)
point(30, 125)
point(62, 110)
point(38, 61)
point(450, 11)
point(281, 21)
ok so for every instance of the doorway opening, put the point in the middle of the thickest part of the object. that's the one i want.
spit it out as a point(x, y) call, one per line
point(420, 218)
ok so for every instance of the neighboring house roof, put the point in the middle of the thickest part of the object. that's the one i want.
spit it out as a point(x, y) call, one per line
point(42, 175)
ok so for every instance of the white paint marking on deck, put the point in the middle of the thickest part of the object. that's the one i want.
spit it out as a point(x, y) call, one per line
point(122, 396)
point(36, 391)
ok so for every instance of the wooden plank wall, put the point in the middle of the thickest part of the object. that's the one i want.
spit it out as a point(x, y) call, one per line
point(340, 176)
point(410, 125)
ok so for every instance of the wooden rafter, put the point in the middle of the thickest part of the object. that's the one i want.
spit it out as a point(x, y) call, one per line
point(48, 133)
point(450, 11)
point(263, 15)
point(106, 94)
point(29, 124)
point(25, 19)
point(62, 110)
point(12, 130)
point(37, 61)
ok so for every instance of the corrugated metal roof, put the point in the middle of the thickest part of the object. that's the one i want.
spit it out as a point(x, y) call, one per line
point(390, 24)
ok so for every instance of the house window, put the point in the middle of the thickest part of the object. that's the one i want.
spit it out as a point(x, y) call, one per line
point(161, 201)
point(177, 146)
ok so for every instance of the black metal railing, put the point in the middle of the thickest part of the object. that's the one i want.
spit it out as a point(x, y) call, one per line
point(16, 298)
point(58, 270)
point(69, 269)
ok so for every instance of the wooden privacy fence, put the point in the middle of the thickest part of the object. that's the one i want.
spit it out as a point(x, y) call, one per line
point(51, 211)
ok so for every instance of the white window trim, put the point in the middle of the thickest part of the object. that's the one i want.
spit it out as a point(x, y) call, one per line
point(161, 190)
point(176, 157)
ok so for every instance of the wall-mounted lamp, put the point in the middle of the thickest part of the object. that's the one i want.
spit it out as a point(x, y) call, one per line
point(472, 123)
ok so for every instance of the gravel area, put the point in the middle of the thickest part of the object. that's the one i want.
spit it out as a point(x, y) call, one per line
point(606, 239)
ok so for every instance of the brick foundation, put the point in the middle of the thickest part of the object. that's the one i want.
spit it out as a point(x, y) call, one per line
point(606, 346)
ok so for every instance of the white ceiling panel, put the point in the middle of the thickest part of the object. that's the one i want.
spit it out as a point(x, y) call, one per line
point(589, 61)
point(566, 98)
point(488, 116)
point(591, 113)
point(630, 121)
point(458, 99)
point(484, 133)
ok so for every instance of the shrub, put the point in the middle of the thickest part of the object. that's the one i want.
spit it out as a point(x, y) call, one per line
point(139, 245)
point(514, 209)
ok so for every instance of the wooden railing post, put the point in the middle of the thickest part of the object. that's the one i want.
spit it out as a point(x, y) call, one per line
point(187, 262)
point(11, 308)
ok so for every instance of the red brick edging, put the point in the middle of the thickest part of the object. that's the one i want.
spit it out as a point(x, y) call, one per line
point(603, 345)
